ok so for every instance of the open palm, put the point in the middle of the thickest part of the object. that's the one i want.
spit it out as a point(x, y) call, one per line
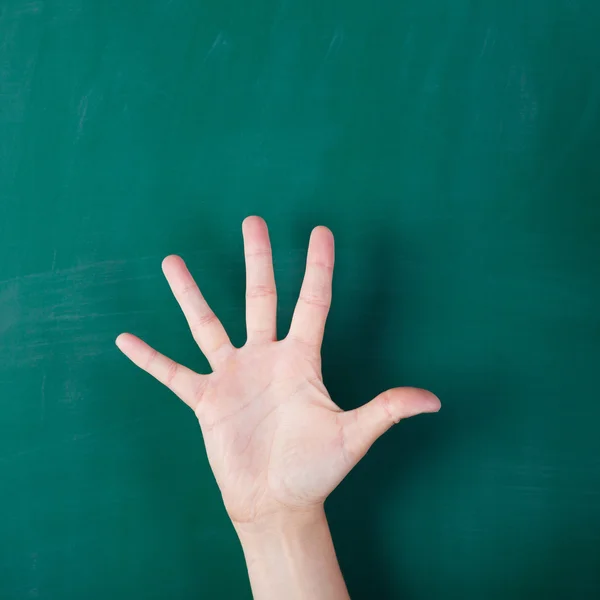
point(275, 439)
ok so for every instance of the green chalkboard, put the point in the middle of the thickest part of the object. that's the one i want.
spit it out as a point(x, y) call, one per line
point(452, 146)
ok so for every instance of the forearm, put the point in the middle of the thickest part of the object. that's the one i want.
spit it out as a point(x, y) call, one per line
point(292, 557)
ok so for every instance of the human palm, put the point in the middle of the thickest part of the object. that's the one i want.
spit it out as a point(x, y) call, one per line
point(275, 439)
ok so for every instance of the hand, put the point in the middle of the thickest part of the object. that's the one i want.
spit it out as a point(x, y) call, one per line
point(276, 441)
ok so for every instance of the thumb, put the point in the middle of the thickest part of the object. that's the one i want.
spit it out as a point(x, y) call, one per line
point(363, 425)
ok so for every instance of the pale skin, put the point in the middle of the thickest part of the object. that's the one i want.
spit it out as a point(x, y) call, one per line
point(277, 443)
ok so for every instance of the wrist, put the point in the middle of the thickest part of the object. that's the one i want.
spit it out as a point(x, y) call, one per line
point(290, 554)
point(280, 523)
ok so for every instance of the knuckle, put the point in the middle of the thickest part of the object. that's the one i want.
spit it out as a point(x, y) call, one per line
point(296, 339)
point(200, 389)
point(220, 351)
point(386, 402)
point(321, 301)
point(188, 288)
point(172, 370)
point(260, 335)
point(261, 291)
point(198, 395)
point(321, 265)
point(203, 320)
point(150, 361)
point(259, 253)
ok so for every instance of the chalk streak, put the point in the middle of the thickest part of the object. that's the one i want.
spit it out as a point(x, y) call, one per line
point(336, 42)
point(43, 399)
point(218, 40)
point(485, 43)
point(83, 108)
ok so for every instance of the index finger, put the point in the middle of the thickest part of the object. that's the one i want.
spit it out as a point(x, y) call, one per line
point(206, 328)
point(179, 379)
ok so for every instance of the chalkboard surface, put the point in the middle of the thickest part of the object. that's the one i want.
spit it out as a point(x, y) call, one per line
point(453, 148)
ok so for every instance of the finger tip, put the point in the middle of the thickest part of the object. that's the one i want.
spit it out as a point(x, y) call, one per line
point(169, 261)
point(322, 230)
point(120, 339)
point(420, 400)
point(433, 402)
point(252, 220)
point(323, 238)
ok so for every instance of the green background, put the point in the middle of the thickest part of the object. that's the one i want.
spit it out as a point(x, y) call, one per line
point(452, 146)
